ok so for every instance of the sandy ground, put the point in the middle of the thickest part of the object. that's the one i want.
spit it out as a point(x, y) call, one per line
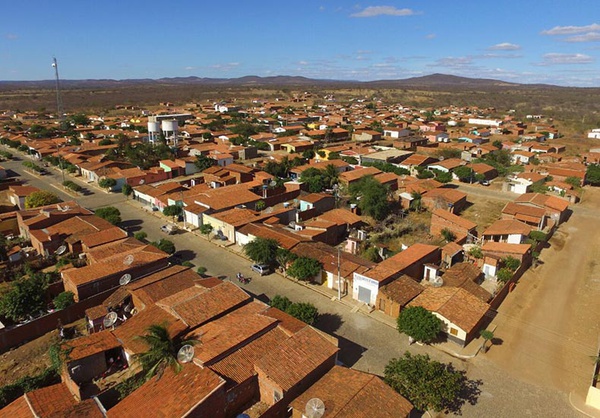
point(549, 325)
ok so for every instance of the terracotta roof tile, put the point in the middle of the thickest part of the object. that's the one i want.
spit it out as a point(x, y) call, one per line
point(455, 219)
point(162, 284)
point(19, 408)
point(506, 248)
point(231, 331)
point(239, 366)
point(356, 395)
point(455, 304)
point(508, 226)
point(402, 290)
point(91, 344)
point(401, 261)
point(138, 324)
point(199, 305)
point(173, 395)
point(297, 357)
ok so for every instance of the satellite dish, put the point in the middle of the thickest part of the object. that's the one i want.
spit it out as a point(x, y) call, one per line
point(437, 281)
point(128, 308)
point(126, 278)
point(185, 354)
point(61, 250)
point(315, 408)
point(273, 183)
point(110, 319)
point(128, 260)
point(142, 181)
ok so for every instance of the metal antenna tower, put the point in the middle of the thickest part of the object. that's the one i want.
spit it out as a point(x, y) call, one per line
point(59, 107)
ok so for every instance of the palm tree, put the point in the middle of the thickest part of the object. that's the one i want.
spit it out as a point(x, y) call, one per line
point(487, 336)
point(331, 175)
point(416, 203)
point(162, 352)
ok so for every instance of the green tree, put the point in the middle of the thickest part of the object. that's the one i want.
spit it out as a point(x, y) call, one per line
point(140, 236)
point(107, 183)
point(283, 257)
point(110, 213)
point(487, 336)
point(504, 275)
point(331, 175)
point(40, 198)
point(304, 268)
point(573, 181)
point(416, 203)
point(162, 351)
point(203, 162)
point(25, 296)
point(262, 250)
point(305, 312)
point(260, 205)
point(511, 263)
point(373, 197)
point(464, 173)
point(442, 176)
point(164, 245)
point(426, 383)
point(419, 324)
point(206, 229)
point(592, 174)
point(201, 270)
point(127, 190)
point(448, 235)
point(64, 299)
point(372, 254)
point(281, 302)
point(476, 252)
point(172, 210)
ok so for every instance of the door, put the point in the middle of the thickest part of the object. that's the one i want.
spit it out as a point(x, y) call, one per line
point(364, 294)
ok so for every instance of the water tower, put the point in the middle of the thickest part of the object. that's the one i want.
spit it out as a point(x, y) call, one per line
point(169, 129)
point(153, 129)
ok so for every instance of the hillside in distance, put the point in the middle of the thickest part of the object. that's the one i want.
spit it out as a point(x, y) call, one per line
point(428, 81)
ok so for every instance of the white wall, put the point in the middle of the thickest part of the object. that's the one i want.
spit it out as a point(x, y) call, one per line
point(460, 334)
point(363, 281)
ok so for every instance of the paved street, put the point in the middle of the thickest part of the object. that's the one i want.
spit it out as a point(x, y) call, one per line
point(366, 344)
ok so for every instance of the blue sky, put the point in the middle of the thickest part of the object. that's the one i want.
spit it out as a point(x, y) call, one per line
point(529, 41)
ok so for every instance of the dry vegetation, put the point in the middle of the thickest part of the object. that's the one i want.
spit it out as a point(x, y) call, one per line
point(483, 211)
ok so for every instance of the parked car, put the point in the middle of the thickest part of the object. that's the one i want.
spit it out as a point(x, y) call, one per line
point(261, 269)
point(168, 229)
point(484, 182)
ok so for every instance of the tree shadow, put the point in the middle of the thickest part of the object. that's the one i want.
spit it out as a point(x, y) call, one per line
point(497, 341)
point(329, 323)
point(185, 255)
point(131, 225)
point(469, 392)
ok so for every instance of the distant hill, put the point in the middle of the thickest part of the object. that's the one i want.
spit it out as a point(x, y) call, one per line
point(428, 81)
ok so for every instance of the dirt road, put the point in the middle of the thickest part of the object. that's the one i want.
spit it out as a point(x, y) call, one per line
point(549, 325)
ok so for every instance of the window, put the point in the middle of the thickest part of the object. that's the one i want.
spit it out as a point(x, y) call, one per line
point(453, 331)
point(382, 304)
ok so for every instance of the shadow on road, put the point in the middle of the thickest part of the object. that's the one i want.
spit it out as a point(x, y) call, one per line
point(469, 393)
point(350, 352)
point(185, 255)
point(131, 225)
point(329, 323)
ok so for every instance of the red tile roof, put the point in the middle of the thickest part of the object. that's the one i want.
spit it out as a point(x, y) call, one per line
point(239, 366)
point(508, 226)
point(231, 331)
point(395, 264)
point(402, 290)
point(297, 357)
point(455, 219)
point(91, 344)
point(171, 395)
point(356, 395)
point(195, 306)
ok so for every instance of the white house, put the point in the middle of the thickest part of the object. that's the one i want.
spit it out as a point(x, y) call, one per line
point(396, 132)
point(594, 134)
point(485, 122)
point(519, 185)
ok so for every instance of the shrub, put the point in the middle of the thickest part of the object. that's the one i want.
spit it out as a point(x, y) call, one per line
point(201, 270)
point(418, 323)
point(140, 236)
point(64, 300)
point(538, 236)
point(281, 302)
point(110, 213)
point(72, 185)
point(504, 275)
point(107, 183)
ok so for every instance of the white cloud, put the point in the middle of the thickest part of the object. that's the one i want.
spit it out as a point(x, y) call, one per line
point(225, 67)
point(189, 68)
point(302, 62)
point(11, 36)
point(561, 59)
point(373, 11)
point(453, 62)
point(504, 46)
point(586, 37)
point(430, 36)
point(510, 56)
point(571, 30)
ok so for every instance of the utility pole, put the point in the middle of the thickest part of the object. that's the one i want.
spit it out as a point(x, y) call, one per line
point(59, 109)
point(339, 282)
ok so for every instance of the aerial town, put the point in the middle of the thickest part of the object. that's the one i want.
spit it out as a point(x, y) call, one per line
point(299, 256)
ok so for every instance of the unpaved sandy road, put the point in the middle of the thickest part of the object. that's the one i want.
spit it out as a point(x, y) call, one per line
point(549, 325)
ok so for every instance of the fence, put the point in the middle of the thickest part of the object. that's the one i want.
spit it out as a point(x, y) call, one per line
point(23, 333)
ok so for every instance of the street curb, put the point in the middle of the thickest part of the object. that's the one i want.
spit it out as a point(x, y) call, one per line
point(578, 409)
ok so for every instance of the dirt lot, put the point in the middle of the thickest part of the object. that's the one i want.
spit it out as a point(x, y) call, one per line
point(30, 358)
point(549, 324)
point(483, 211)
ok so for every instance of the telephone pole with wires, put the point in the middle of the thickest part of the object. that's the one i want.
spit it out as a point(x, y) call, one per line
point(59, 107)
